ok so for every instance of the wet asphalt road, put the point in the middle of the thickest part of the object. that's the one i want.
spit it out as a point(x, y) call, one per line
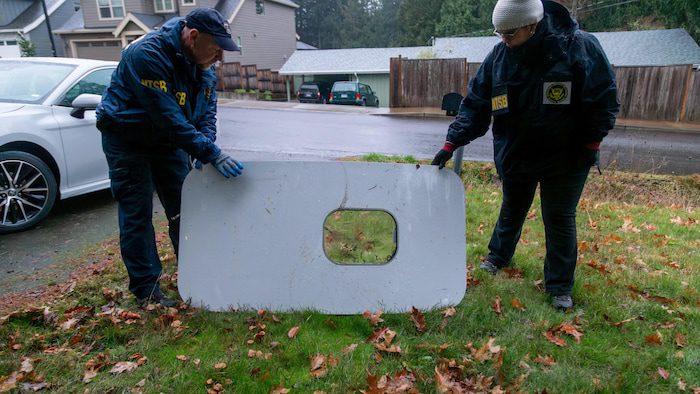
point(293, 134)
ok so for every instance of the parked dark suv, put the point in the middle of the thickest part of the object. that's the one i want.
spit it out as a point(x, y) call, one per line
point(314, 92)
point(353, 92)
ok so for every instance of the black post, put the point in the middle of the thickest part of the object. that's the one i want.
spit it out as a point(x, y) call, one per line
point(48, 26)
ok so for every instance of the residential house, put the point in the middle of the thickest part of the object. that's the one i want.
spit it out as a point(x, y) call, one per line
point(264, 29)
point(26, 17)
point(371, 65)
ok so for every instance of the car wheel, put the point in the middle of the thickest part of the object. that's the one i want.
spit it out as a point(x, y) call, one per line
point(364, 103)
point(376, 103)
point(27, 191)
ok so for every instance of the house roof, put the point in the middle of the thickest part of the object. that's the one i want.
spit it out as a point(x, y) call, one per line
point(304, 46)
point(345, 61)
point(626, 48)
point(623, 48)
point(32, 16)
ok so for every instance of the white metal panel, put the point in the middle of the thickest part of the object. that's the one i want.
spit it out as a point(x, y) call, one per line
point(256, 241)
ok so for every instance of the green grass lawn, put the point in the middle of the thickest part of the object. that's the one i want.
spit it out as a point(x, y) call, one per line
point(634, 327)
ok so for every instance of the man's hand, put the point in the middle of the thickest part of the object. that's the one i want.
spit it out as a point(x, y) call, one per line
point(444, 155)
point(227, 166)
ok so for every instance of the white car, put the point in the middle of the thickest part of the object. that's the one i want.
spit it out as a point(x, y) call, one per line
point(49, 145)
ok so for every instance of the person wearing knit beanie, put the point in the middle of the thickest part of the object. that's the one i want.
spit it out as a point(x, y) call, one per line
point(511, 14)
point(547, 92)
point(515, 21)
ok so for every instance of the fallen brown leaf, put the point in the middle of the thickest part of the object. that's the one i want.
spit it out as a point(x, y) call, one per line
point(449, 312)
point(496, 305)
point(517, 304)
point(545, 360)
point(551, 337)
point(220, 366)
point(654, 339)
point(663, 373)
point(373, 318)
point(318, 367)
point(350, 348)
point(418, 319)
point(123, 366)
point(293, 332)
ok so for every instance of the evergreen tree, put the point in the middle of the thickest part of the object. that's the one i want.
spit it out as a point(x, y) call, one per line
point(465, 18)
point(418, 19)
point(319, 21)
point(26, 47)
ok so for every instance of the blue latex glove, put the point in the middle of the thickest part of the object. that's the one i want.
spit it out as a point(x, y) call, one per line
point(227, 166)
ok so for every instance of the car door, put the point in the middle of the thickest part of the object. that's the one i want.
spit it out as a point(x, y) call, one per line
point(371, 96)
point(86, 166)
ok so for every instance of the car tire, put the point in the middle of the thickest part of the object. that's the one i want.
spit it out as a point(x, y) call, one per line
point(364, 103)
point(376, 103)
point(22, 204)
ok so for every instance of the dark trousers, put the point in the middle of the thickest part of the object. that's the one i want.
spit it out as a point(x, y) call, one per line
point(559, 196)
point(134, 174)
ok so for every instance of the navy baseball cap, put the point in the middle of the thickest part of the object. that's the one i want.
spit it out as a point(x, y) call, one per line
point(210, 21)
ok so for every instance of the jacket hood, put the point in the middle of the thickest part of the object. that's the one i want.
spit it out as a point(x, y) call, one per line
point(550, 38)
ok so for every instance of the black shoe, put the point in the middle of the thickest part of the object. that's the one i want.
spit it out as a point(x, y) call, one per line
point(562, 302)
point(489, 267)
point(156, 298)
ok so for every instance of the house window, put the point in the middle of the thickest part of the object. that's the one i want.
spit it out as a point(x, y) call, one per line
point(164, 6)
point(188, 2)
point(110, 9)
point(259, 7)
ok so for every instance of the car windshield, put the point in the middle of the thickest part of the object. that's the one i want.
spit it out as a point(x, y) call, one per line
point(30, 82)
point(344, 87)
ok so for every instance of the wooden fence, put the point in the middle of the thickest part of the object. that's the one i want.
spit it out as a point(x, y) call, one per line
point(422, 83)
point(234, 76)
point(669, 93)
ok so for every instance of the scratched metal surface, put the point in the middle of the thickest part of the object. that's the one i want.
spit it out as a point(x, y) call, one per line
point(256, 241)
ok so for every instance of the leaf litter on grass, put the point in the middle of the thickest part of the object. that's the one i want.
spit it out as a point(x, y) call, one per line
point(95, 326)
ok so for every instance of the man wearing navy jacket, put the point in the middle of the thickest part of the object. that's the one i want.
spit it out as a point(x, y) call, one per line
point(160, 107)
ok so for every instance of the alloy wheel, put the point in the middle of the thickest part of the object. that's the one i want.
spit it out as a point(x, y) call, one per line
point(24, 193)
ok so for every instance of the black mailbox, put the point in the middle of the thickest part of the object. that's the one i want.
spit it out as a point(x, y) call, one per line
point(451, 102)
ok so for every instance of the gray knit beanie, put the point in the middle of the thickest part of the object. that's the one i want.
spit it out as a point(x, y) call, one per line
point(511, 14)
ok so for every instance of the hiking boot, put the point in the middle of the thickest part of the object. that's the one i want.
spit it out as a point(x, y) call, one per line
point(562, 302)
point(489, 267)
point(156, 298)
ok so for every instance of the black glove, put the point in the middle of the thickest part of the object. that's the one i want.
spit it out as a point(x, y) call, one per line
point(444, 155)
point(590, 156)
point(227, 166)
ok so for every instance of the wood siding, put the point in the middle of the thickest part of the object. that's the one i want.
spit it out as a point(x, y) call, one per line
point(267, 40)
point(10, 9)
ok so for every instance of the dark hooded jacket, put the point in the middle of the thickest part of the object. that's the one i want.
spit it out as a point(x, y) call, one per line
point(548, 98)
point(159, 100)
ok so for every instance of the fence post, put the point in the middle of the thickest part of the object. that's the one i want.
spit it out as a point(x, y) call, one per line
point(457, 159)
point(686, 89)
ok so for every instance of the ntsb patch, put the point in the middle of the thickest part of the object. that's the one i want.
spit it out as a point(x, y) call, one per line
point(499, 103)
point(557, 93)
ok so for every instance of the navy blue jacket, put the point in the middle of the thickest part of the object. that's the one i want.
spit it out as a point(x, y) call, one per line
point(548, 98)
point(158, 99)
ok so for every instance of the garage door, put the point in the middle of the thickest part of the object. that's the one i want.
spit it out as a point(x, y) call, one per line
point(9, 48)
point(101, 50)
